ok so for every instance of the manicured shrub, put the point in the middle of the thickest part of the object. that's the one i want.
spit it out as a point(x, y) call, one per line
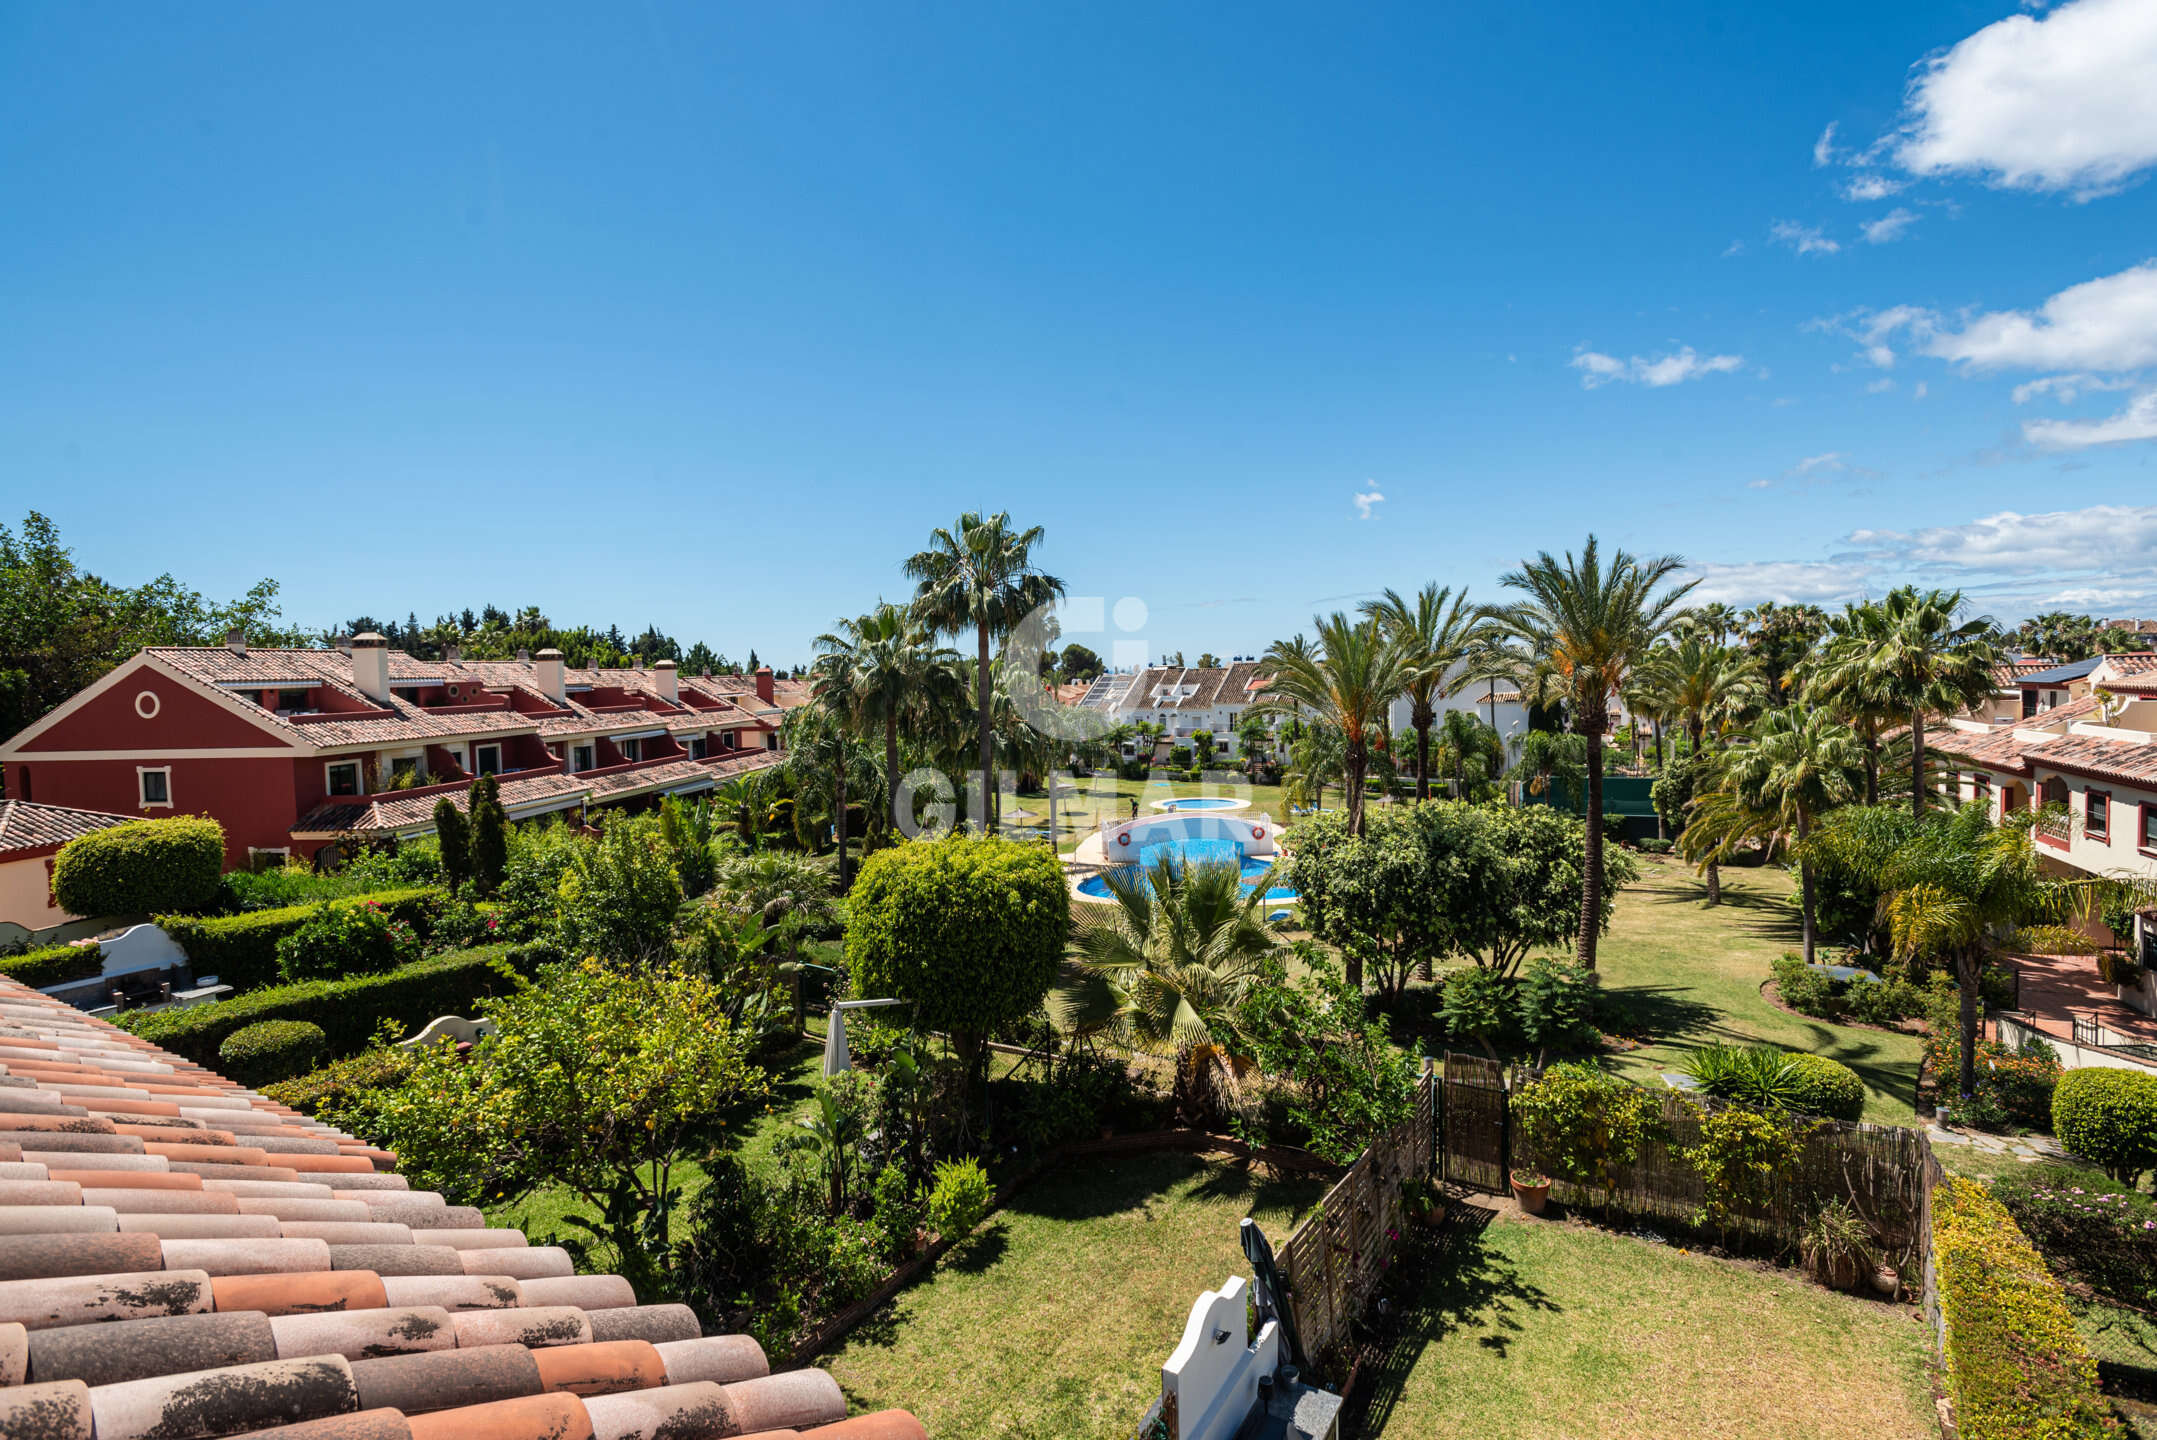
point(490, 834)
point(959, 1199)
point(1821, 1086)
point(2109, 1118)
point(145, 867)
point(376, 1068)
point(241, 950)
point(899, 1213)
point(454, 834)
point(349, 1011)
point(1804, 989)
point(1767, 1078)
point(971, 931)
point(54, 965)
point(341, 940)
point(2017, 1368)
point(1653, 846)
point(2091, 1230)
point(1883, 1002)
point(271, 1050)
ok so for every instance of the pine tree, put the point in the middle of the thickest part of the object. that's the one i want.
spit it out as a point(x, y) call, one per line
point(455, 834)
point(490, 835)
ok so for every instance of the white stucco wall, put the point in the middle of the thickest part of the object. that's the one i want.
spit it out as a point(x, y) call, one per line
point(26, 894)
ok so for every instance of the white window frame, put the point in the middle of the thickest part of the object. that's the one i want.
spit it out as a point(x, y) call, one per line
point(583, 757)
point(479, 750)
point(142, 799)
point(359, 777)
point(256, 854)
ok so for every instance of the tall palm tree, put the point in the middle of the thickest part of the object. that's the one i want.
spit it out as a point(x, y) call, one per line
point(1930, 662)
point(1592, 623)
point(1316, 759)
point(1774, 787)
point(1349, 683)
point(1168, 977)
point(1708, 686)
point(1466, 744)
point(1843, 677)
point(1433, 637)
point(883, 668)
point(826, 761)
point(979, 575)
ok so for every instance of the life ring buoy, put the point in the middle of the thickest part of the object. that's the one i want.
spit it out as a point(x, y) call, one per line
point(1124, 839)
point(1258, 832)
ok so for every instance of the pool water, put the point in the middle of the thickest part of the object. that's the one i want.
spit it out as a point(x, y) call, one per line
point(1194, 850)
point(1204, 802)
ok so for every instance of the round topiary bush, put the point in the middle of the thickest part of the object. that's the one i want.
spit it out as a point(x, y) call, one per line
point(2109, 1118)
point(1820, 1086)
point(146, 867)
point(969, 931)
point(272, 1050)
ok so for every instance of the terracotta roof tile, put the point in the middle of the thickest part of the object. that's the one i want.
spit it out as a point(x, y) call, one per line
point(2107, 759)
point(28, 826)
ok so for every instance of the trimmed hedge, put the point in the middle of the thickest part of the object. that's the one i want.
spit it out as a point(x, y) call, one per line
point(1820, 1086)
point(2017, 1368)
point(347, 1010)
point(2109, 1118)
point(141, 868)
point(375, 1068)
point(241, 950)
point(54, 965)
point(271, 1050)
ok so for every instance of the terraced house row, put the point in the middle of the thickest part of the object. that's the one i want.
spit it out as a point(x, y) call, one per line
point(310, 752)
point(181, 1259)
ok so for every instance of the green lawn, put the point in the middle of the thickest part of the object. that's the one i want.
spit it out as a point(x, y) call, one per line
point(1053, 1321)
point(1693, 973)
point(1532, 1330)
point(1108, 797)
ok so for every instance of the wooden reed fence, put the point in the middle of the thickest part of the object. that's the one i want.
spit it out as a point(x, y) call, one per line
point(1333, 1262)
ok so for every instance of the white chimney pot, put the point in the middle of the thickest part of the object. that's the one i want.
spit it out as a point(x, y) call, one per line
point(370, 666)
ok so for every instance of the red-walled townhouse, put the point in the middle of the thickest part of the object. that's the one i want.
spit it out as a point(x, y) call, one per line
point(310, 752)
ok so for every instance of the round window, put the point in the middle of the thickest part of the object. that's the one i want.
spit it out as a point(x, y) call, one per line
point(147, 704)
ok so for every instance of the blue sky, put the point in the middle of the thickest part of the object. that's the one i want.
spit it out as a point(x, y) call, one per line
point(703, 316)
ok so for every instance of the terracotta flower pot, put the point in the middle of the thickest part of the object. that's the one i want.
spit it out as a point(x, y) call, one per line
point(1532, 1198)
point(1887, 1280)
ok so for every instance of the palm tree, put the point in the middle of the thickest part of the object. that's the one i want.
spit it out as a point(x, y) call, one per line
point(1707, 686)
point(1465, 743)
point(1592, 624)
point(745, 797)
point(1169, 975)
point(882, 668)
point(1433, 638)
point(1774, 787)
point(979, 575)
point(1349, 683)
point(1315, 760)
point(1843, 678)
point(1928, 662)
point(825, 761)
point(1716, 620)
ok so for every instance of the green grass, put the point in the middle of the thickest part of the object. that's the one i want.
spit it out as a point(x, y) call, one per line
point(1052, 1322)
point(1693, 973)
point(1108, 797)
point(1538, 1329)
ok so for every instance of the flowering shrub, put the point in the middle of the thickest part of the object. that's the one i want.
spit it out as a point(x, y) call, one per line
point(2089, 1229)
point(2014, 1087)
point(340, 940)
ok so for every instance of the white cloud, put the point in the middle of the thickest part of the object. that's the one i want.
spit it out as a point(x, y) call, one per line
point(1873, 329)
point(1823, 149)
point(1917, 391)
point(2137, 422)
point(1805, 239)
point(1832, 460)
point(1365, 499)
point(1870, 186)
point(1889, 226)
point(1736, 247)
point(1786, 582)
point(1683, 364)
point(2104, 324)
point(2062, 102)
point(1880, 386)
point(2065, 388)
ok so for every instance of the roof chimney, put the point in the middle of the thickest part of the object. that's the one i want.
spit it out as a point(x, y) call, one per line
point(524, 655)
point(370, 666)
point(343, 644)
point(453, 654)
point(236, 640)
point(666, 672)
point(763, 684)
point(550, 675)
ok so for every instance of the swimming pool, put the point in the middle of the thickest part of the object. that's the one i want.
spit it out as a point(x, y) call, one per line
point(1202, 802)
point(1193, 850)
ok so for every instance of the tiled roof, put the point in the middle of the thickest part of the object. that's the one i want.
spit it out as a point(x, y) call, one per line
point(2137, 663)
point(1210, 687)
point(1999, 751)
point(2089, 755)
point(181, 1257)
point(25, 825)
point(396, 811)
point(2061, 674)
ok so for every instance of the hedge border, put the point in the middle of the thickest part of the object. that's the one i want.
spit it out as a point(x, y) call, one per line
point(2017, 1367)
point(54, 965)
point(241, 950)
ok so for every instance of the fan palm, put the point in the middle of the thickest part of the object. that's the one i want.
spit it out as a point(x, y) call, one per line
point(1315, 760)
point(1433, 638)
point(1592, 624)
point(1349, 683)
point(1928, 662)
point(1169, 975)
point(1467, 746)
point(883, 668)
point(826, 761)
point(745, 797)
point(1843, 678)
point(979, 575)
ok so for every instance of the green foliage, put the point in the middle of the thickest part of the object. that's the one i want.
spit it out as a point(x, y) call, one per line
point(242, 950)
point(271, 1050)
point(490, 834)
point(1477, 1006)
point(688, 828)
point(900, 1213)
point(336, 941)
point(1556, 1006)
point(539, 856)
point(1683, 777)
point(2091, 1230)
point(1778, 1080)
point(1742, 1155)
point(145, 867)
point(1822, 1086)
point(453, 832)
point(1337, 1073)
point(347, 1010)
point(1804, 989)
point(1653, 846)
point(1581, 1124)
point(378, 1066)
point(2017, 1368)
point(959, 1198)
point(618, 898)
point(969, 931)
point(2108, 1117)
point(1882, 1002)
point(53, 965)
point(595, 1080)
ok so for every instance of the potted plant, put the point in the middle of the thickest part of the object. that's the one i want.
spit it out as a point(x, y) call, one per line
point(1419, 1200)
point(1532, 1189)
point(1837, 1246)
